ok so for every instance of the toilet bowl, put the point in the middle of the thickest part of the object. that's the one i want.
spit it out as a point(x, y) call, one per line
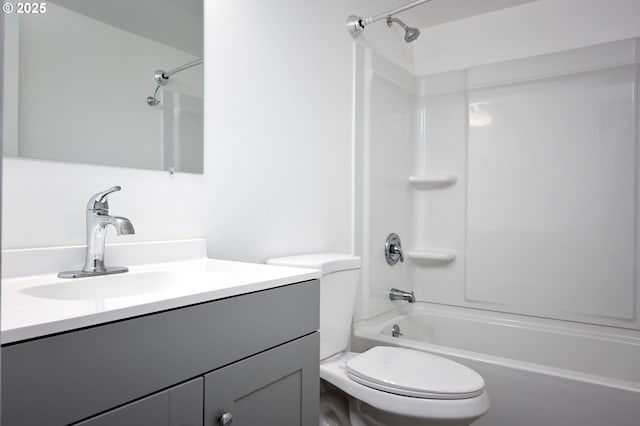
point(396, 386)
point(384, 386)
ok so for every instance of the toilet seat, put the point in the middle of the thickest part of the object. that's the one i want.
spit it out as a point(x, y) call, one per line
point(333, 370)
point(415, 374)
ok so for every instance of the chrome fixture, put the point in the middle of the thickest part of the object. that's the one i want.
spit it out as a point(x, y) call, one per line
point(395, 294)
point(153, 100)
point(410, 34)
point(356, 24)
point(395, 331)
point(393, 249)
point(97, 216)
point(161, 78)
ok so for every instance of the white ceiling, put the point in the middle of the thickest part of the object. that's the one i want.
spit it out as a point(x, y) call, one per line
point(175, 23)
point(437, 12)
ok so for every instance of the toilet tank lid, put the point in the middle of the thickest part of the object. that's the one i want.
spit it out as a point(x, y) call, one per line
point(326, 262)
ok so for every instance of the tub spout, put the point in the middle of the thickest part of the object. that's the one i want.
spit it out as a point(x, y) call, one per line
point(395, 294)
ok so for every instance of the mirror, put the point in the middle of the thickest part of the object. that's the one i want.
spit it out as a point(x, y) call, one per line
point(79, 83)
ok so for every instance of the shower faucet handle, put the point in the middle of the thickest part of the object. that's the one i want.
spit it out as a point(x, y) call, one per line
point(393, 249)
point(398, 251)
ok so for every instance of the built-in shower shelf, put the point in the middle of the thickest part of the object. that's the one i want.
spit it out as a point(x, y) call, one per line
point(433, 255)
point(420, 181)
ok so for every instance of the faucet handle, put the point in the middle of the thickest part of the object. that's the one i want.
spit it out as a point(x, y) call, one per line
point(393, 249)
point(98, 203)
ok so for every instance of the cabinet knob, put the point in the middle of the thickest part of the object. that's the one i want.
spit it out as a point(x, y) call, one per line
point(226, 419)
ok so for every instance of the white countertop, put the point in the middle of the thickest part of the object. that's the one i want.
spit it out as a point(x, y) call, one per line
point(26, 316)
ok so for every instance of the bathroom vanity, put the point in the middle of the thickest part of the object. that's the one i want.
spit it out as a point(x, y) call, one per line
point(244, 352)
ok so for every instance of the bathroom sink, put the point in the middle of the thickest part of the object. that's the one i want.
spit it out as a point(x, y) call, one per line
point(165, 282)
point(163, 275)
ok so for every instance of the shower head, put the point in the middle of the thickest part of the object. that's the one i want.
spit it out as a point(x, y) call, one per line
point(410, 34)
point(153, 100)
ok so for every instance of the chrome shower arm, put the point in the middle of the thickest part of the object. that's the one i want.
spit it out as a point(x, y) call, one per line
point(356, 24)
point(397, 21)
point(161, 76)
point(184, 67)
point(392, 12)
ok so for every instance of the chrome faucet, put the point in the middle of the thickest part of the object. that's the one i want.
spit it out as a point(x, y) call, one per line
point(98, 218)
point(395, 294)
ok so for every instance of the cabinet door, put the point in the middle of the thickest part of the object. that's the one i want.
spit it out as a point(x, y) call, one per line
point(279, 386)
point(178, 406)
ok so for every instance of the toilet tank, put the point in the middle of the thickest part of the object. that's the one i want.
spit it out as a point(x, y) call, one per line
point(338, 285)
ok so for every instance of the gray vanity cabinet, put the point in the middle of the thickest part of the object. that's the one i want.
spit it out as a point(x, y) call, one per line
point(254, 354)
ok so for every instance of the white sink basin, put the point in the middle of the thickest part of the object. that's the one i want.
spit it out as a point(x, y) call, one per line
point(105, 287)
point(43, 304)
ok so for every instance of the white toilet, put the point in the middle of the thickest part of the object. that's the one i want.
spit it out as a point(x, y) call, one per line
point(385, 385)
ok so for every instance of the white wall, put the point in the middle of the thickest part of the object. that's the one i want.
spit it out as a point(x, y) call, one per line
point(279, 129)
point(43, 203)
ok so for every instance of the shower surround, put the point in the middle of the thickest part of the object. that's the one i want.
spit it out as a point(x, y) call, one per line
point(513, 186)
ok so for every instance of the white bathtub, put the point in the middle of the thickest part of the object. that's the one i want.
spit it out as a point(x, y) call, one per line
point(538, 371)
